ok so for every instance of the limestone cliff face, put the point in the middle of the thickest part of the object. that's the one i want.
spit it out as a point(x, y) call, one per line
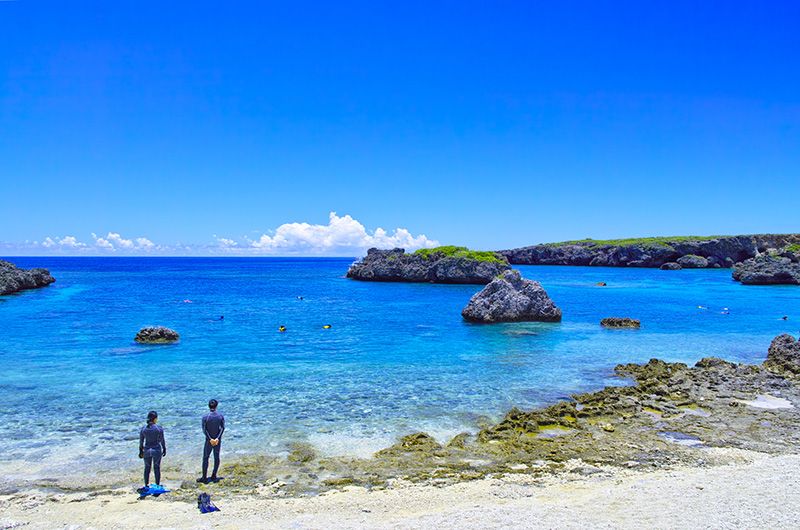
point(397, 266)
point(712, 252)
point(14, 279)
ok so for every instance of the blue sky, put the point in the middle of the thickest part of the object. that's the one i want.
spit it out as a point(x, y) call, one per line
point(204, 126)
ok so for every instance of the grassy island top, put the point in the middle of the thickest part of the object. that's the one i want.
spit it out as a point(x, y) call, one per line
point(646, 241)
point(793, 248)
point(452, 251)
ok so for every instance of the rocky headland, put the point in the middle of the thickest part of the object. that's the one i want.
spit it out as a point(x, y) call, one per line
point(13, 279)
point(686, 251)
point(772, 268)
point(511, 298)
point(437, 265)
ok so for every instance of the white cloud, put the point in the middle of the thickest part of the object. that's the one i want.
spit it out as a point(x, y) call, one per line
point(341, 236)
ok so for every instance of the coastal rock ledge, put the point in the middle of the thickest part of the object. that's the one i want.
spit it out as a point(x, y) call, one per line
point(13, 279)
point(768, 269)
point(437, 265)
point(157, 335)
point(511, 298)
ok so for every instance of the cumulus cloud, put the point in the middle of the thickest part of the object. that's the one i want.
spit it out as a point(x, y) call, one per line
point(341, 236)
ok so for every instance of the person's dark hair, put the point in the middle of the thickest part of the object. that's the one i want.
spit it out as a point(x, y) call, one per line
point(212, 404)
point(151, 416)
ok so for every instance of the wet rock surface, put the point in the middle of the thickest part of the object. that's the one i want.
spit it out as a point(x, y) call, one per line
point(721, 251)
point(397, 266)
point(13, 279)
point(620, 322)
point(671, 266)
point(156, 335)
point(769, 269)
point(511, 298)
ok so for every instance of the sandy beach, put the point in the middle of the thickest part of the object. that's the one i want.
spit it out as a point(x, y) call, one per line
point(753, 491)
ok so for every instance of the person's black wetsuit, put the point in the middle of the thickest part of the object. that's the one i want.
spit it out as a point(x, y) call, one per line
point(213, 427)
point(152, 447)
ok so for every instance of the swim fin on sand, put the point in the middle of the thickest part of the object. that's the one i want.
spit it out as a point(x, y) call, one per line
point(153, 489)
point(204, 503)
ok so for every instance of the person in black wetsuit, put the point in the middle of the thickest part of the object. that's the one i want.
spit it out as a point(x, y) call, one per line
point(213, 427)
point(152, 447)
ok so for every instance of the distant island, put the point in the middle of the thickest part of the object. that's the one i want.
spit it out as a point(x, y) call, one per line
point(666, 252)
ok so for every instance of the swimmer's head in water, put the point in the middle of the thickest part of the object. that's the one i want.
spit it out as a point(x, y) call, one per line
point(282, 328)
point(326, 326)
point(152, 416)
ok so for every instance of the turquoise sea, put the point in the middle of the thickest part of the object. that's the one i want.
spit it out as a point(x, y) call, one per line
point(398, 358)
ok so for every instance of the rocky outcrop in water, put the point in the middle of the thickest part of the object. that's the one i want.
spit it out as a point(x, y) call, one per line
point(511, 298)
point(671, 266)
point(462, 266)
point(617, 322)
point(783, 357)
point(769, 269)
point(156, 335)
point(721, 251)
point(13, 279)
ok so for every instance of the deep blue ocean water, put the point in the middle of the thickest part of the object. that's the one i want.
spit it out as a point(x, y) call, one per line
point(397, 359)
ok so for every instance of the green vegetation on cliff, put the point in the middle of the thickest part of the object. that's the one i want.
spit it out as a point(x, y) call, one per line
point(452, 251)
point(793, 248)
point(628, 242)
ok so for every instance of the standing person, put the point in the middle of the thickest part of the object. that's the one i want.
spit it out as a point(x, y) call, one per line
point(213, 427)
point(152, 447)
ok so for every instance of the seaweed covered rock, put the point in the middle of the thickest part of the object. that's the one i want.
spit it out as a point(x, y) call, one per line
point(783, 357)
point(437, 265)
point(418, 442)
point(620, 322)
point(769, 269)
point(693, 261)
point(156, 335)
point(671, 266)
point(511, 298)
point(13, 279)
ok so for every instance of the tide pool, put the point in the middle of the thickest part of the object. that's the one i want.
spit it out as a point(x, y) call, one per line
point(398, 358)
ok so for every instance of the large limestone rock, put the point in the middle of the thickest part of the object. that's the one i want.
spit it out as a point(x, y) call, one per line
point(447, 266)
point(671, 266)
point(156, 335)
point(511, 298)
point(768, 269)
point(783, 357)
point(14, 279)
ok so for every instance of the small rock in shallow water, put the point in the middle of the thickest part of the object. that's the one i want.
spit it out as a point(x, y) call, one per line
point(616, 322)
point(156, 335)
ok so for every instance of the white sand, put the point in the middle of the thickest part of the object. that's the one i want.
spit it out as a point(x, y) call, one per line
point(757, 491)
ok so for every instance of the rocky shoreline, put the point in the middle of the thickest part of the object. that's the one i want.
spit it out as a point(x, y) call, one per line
point(668, 415)
point(438, 265)
point(686, 252)
point(13, 279)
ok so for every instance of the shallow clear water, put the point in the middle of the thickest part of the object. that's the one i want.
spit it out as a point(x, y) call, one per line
point(397, 359)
